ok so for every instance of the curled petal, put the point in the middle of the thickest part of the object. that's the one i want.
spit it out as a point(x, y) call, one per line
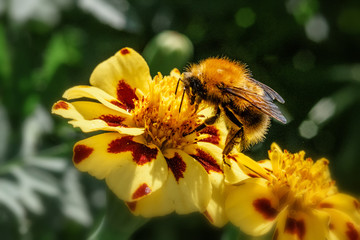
point(132, 168)
point(91, 116)
point(98, 94)
point(234, 171)
point(239, 167)
point(121, 75)
point(298, 225)
point(66, 110)
point(252, 206)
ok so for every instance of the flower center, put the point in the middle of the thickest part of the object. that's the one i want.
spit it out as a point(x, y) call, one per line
point(158, 112)
point(300, 182)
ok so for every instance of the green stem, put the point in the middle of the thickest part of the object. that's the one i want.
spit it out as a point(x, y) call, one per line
point(118, 222)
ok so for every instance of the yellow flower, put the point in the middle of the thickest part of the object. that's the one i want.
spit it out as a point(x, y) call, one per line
point(149, 156)
point(296, 194)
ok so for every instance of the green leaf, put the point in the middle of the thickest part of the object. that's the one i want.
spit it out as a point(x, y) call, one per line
point(5, 60)
point(63, 49)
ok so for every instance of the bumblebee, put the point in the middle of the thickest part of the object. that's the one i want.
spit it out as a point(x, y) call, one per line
point(247, 104)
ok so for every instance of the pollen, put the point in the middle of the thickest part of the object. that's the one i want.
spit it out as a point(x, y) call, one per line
point(300, 181)
point(159, 114)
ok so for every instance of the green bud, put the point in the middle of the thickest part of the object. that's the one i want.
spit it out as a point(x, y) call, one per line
point(166, 51)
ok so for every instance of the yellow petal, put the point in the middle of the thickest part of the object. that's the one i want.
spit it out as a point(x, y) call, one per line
point(345, 203)
point(66, 110)
point(210, 158)
point(188, 185)
point(266, 164)
point(215, 211)
point(240, 167)
point(156, 204)
point(98, 94)
point(121, 75)
point(215, 133)
point(132, 168)
point(234, 171)
point(299, 225)
point(91, 116)
point(275, 153)
point(175, 73)
point(252, 206)
point(342, 226)
point(207, 154)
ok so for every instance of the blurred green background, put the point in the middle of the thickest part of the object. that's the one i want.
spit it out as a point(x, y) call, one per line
point(307, 50)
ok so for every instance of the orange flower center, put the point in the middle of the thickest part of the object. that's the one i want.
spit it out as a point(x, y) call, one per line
point(158, 112)
point(299, 182)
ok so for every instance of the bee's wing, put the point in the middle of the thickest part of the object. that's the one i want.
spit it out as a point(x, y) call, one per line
point(263, 103)
point(269, 91)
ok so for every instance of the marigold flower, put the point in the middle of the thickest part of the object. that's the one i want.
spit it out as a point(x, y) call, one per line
point(150, 156)
point(296, 194)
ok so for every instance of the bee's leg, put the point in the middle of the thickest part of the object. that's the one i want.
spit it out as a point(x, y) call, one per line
point(235, 135)
point(233, 138)
point(208, 121)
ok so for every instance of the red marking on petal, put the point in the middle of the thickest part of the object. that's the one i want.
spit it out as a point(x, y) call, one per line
point(81, 152)
point(207, 215)
point(112, 120)
point(326, 205)
point(331, 226)
point(177, 166)
point(62, 105)
point(352, 233)
point(143, 190)
point(119, 104)
point(131, 205)
point(124, 51)
point(231, 157)
point(276, 234)
point(141, 153)
point(214, 135)
point(263, 206)
point(357, 205)
point(295, 227)
point(252, 175)
point(207, 161)
point(126, 95)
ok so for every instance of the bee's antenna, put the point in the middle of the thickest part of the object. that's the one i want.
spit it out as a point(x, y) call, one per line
point(182, 99)
point(177, 86)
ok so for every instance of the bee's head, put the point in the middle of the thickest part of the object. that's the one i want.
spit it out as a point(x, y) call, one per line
point(193, 85)
point(186, 80)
